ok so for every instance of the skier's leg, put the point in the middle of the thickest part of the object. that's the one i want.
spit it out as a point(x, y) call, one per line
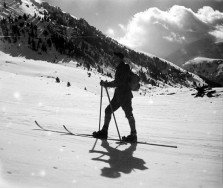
point(108, 112)
point(131, 120)
point(127, 107)
point(107, 119)
point(103, 133)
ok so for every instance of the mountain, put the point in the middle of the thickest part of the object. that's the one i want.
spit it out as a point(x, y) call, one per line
point(204, 47)
point(43, 32)
point(211, 70)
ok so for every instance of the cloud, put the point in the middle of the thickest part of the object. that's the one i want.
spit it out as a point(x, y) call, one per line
point(210, 16)
point(218, 33)
point(122, 27)
point(163, 32)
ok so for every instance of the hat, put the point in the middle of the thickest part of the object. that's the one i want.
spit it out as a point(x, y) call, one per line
point(119, 54)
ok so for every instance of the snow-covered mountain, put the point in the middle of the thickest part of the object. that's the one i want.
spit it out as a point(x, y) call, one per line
point(210, 70)
point(204, 47)
point(43, 32)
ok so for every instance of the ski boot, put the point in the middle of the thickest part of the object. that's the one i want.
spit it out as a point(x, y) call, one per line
point(132, 138)
point(102, 134)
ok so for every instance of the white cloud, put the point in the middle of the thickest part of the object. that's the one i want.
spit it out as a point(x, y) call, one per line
point(210, 16)
point(218, 33)
point(162, 32)
point(122, 27)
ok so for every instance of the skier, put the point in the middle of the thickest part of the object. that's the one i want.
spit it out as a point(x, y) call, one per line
point(122, 98)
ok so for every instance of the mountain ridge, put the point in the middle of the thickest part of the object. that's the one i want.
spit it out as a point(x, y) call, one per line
point(204, 47)
point(49, 33)
point(211, 70)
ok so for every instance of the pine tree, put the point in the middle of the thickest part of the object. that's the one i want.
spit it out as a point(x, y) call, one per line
point(5, 5)
point(33, 45)
point(44, 49)
point(25, 17)
point(49, 42)
point(29, 40)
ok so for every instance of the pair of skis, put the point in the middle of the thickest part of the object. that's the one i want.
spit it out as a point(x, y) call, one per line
point(91, 136)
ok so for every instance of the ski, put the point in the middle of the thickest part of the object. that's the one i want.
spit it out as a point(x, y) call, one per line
point(40, 126)
point(117, 140)
point(85, 135)
point(76, 134)
point(67, 131)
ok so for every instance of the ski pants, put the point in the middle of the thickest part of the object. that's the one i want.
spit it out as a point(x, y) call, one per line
point(115, 103)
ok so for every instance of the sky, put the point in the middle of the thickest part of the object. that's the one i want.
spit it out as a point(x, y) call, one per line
point(158, 27)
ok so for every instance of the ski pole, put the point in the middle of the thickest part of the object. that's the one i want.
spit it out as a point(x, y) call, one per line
point(113, 113)
point(100, 108)
point(94, 145)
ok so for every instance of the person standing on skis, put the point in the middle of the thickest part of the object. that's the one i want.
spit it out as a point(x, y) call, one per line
point(122, 98)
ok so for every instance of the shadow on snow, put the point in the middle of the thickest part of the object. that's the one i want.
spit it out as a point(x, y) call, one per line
point(119, 161)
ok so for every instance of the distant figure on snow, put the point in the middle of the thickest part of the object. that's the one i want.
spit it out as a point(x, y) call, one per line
point(68, 84)
point(57, 80)
point(122, 98)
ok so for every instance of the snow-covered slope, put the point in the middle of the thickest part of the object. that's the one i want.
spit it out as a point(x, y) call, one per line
point(31, 158)
point(19, 7)
point(211, 69)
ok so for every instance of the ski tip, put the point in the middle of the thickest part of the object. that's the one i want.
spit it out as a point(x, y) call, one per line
point(66, 128)
point(69, 132)
point(40, 126)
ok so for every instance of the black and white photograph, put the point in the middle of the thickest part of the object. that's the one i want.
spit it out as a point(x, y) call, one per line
point(111, 93)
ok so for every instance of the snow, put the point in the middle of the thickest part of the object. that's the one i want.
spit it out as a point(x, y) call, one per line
point(211, 69)
point(33, 158)
point(14, 7)
point(199, 60)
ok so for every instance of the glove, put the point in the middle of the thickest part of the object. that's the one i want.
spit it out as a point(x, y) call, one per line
point(103, 83)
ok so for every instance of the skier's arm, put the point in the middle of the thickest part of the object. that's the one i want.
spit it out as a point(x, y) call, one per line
point(119, 81)
point(111, 84)
point(121, 77)
point(107, 84)
point(114, 83)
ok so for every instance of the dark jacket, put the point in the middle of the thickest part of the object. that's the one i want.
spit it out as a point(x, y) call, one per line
point(122, 75)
